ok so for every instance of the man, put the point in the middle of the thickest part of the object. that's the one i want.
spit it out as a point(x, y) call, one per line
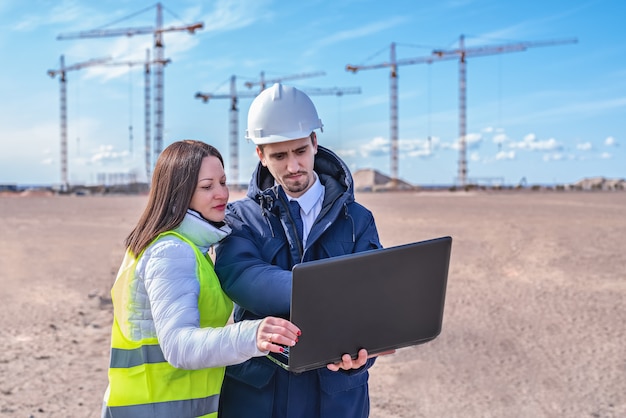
point(254, 263)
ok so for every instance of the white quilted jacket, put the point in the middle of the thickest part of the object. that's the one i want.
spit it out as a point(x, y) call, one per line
point(167, 289)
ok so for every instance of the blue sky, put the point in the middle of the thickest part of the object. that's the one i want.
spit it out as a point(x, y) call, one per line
point(552, 114)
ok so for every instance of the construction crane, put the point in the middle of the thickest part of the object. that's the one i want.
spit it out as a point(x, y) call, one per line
point(63, 108)
point(438, 55)
point(234, 114)
point(480, 51)
point(233, 123)
point(147, 65)
point(157, 31)
point(263, 82)
point(393, 65)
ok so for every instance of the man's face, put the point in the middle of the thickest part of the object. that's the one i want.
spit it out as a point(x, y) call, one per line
point(291, 163)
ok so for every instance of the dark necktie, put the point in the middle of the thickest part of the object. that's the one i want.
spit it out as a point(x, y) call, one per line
point(294, 210)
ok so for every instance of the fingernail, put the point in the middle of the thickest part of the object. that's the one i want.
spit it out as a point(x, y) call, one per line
point(299, 333)
point(296, 340)
point(282, 350)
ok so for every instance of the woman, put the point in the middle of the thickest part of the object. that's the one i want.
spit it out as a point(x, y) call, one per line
point(170, 341)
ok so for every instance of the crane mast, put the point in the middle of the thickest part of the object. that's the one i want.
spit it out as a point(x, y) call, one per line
point(61, 71)
point(158, 84)
point(393, 110)
point(147, 75)
point(148, 142)
point(462, 53)
point(157, 31)
point(462, 163)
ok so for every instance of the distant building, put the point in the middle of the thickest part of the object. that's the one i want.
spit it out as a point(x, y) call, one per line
point(370, 180)
point(599, 183)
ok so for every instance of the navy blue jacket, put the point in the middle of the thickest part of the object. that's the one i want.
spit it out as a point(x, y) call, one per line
point(254, 266)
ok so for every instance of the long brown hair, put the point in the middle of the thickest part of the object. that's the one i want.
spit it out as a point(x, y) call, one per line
point(174, 181)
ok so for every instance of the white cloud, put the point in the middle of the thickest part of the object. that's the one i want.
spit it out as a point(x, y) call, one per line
point(472, 141)
point(531, 143)
point(106, 154)
point(606, 155)
point(411, 148)
point(555, 156)
point(376, 147)
point(65, 12)
point(129, 53)
point(416, 147)
point(420, 153)
point(230, 15)
point(500, 138)
point(125, 54)
point(505, 155)
point(585, 146)
point(610, 142)
point(346, 153)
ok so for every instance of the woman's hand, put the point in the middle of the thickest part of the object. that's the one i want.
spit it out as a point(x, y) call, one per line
point(273, 333)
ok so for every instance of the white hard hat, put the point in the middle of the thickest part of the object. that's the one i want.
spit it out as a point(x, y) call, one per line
point(281, 113)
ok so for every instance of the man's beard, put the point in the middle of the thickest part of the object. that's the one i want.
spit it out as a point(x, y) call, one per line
point(298, 186)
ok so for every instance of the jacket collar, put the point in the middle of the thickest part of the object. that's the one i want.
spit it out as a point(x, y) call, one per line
point(201, 232)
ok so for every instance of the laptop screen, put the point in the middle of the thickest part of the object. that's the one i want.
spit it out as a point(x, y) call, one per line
point(378, 300)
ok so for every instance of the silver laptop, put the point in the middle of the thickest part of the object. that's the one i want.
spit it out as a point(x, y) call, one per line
point(379, 300)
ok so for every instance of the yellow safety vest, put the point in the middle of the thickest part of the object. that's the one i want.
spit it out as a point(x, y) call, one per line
point(141, 382)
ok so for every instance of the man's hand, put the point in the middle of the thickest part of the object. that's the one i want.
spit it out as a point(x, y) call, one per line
point(348, 363)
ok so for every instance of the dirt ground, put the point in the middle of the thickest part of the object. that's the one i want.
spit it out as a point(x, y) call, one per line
point(533, 325)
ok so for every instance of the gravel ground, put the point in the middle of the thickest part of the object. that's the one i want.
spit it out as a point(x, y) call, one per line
point(533, 325)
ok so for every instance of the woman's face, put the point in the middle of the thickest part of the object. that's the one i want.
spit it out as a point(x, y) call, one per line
point(211, 194)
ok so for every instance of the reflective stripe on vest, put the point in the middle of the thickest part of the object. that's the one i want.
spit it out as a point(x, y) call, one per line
point(141, 382)
point(187, 408)
point(145, 354)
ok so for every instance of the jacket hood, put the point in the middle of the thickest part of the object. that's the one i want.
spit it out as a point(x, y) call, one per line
point(332, 171)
